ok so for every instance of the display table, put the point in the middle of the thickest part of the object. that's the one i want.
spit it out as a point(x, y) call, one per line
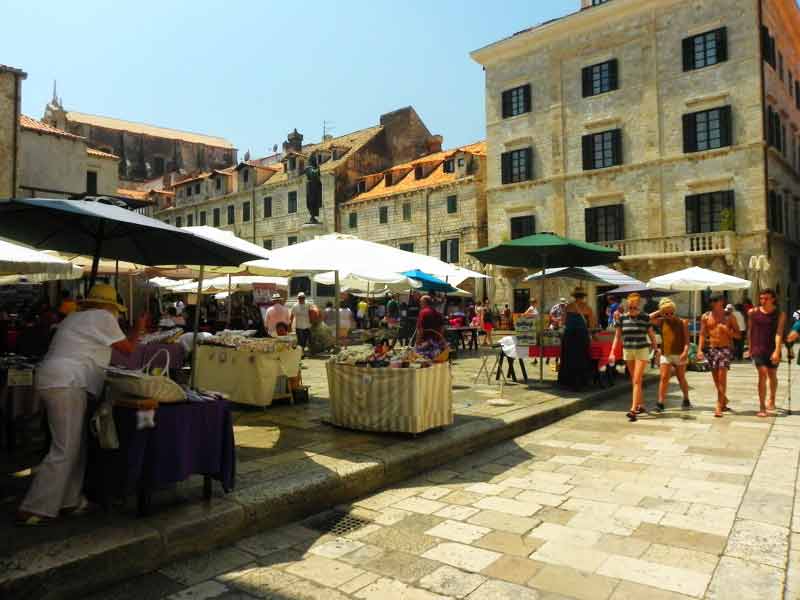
point(190, 438)
point(244, 376)
point(390, 400)
point(144, 352)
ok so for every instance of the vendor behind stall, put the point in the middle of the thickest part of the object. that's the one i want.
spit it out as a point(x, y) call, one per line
point(430, 323)
point(71, 370)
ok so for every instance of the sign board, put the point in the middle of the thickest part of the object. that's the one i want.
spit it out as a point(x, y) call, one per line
point(526, 329)
point(20, 377)
point(262, 292)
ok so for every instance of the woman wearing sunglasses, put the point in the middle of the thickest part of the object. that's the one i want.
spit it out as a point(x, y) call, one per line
point(674, 350)
point(633, 330)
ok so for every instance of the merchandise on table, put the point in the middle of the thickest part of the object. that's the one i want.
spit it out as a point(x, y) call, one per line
point(245, 341)
point(169, 336)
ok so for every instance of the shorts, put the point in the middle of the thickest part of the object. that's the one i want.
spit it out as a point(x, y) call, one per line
point(635, 354)
point(488, 327)
point(764, 360)
point(719, 358)
point(672, 359)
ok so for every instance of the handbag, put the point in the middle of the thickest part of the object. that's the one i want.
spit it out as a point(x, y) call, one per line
point(103, 427)
point(144, 384)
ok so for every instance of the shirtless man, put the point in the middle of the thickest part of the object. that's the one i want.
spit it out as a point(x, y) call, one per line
point(721, 329)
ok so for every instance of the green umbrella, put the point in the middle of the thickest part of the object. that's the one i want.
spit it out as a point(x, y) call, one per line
point(543, 251)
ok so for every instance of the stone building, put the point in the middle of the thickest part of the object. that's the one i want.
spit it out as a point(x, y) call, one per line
point(10, 103)
point(434, 205)
point(146, 152)
point(664, 128)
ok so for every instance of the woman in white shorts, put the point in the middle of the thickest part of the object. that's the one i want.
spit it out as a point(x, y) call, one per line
point(633, 330)
point(674, 350)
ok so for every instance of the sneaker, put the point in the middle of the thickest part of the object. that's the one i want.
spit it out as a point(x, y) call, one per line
point(686, 404)
point(660, 407)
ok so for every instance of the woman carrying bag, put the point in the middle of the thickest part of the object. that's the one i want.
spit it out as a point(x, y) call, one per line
point(71, 370)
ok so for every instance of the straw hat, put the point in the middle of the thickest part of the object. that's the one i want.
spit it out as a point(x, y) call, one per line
point(102, 295)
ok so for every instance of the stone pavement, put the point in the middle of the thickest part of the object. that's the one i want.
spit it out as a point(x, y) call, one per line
point(290, 465)
point(675, 506)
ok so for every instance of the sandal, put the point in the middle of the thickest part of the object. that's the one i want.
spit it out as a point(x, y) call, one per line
point(31, 520)
point(631, 416)
point(641, 410)
point(762, 414)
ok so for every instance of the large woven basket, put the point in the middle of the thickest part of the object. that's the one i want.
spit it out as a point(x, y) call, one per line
point(145, 385)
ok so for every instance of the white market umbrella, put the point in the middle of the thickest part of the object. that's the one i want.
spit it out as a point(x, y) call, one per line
point(230, 239)
point(21, 260)
point(599, 274)
point(236, 283)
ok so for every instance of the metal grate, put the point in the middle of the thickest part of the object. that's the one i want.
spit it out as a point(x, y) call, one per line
point(336, 523)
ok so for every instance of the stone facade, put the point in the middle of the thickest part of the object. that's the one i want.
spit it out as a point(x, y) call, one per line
point(654, 173)
point(146, 152)
point(10, 101)
point(434, 205)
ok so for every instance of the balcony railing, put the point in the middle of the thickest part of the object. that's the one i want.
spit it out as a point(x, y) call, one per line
point(715, 243)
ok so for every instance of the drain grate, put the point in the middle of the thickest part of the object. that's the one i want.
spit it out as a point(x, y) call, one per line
point(336, 523)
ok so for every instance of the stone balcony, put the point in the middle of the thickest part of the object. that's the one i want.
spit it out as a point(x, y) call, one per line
point(718, 243)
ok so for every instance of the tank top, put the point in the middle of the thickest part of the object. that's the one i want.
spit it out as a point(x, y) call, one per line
point(764, 326)
point(673, 338)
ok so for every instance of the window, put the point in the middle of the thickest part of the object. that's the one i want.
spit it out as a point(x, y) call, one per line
point(361, 186)
point(246, 212)
point(388, 179)
point(166, 221)
point(601, 78)
point(448, 250)
point(353, 220)
point(705, 49)
point(776, 130)
point(197, 188)
point(707, 129)
point(768, 47)
point(299, 284)
point(602, 150)
point(91, 183)
point(291, 240)
point(797, 94)
point(158, 165)
point(231, 214)
point(452, 204)
point(218, 183)
point(407, 246)
point(291, 203)
point(290, 163)
point(383, 214)
point(188, 191)
point(522, 226)
point(775, 216)
point(246, 175)
point(189, 220)
point(326, 291)
point(790, 84)
point(710, 212)
point(216, 217)
point(267, 206)
point(406, 211)
point(419, 172)
point(517, 165)
point(517, 101)
point(598, 2)
point(449, 166)
point(178, 221)
point(461, 162)
point(267, 244)
point(203, 218)
point(780, 65)
point(605, 223)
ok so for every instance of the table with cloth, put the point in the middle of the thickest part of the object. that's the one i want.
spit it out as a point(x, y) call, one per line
point(246, 376)
point(189, 438)
point(401, 400)
point(144, 352)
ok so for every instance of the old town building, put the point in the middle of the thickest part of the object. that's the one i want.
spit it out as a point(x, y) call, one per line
point(434, 205)
point(10, 103)
point(667, 129)
point(146, 152)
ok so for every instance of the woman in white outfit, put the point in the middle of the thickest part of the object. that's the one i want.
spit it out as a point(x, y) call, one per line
point(72, 369)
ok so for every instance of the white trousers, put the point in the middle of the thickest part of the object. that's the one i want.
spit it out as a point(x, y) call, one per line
point(59, 480)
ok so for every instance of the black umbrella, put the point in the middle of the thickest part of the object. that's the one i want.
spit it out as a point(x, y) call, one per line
point(97, 229)
point(640, 289)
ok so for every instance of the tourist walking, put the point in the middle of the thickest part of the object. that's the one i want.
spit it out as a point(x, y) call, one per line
point(486, 321)
point(764, 338)
point(299, 317)
point(557, 312)
point(576, 363)
point(634, 331)
point(532, 312)
point(721, 329)
point(277, 313)
point(674, 351)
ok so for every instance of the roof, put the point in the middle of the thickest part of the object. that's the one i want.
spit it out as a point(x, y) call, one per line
point(196, 177)
point(140, 195)
point(145, 129)
point(14, 70)
point(32, 124)
point(410, 183)
point(101, 154)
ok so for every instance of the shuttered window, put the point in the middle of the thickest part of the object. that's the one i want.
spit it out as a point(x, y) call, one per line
point(602, 150)
point(600, 78)
point(705, 49)
point(231, 214)
point(291, 203)
point(775, 216)
point(452, 204)
point(216, 217)
point(246, 212)
point(267, 206)
point(267, 244)
point(714, 211)
point(768, 47)
point(517, 101)
point(190, 220)
point(448, 250)
point(383, 214)
point(517, 165)
point(178, 221)
point(407, 246)
point(605, 223)
point(203, 218)
point(406, 211)
point(522, 226)
point(708, 129)
point(353, 220)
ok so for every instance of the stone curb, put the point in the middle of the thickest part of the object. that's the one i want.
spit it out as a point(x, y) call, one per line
point(74, 567)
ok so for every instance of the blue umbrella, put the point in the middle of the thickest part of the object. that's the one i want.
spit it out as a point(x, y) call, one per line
point(429, 282)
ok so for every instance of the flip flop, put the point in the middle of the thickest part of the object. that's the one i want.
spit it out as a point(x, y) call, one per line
point(717, 414)
point(32, 521)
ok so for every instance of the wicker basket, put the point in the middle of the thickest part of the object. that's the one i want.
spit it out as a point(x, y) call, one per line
point(145, 385)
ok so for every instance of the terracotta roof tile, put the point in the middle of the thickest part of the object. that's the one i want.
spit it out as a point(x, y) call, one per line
point(133, 194)
point(101, 154)
point(31, 124)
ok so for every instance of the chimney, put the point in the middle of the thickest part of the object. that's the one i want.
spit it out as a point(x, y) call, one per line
point(294, 141)
point(434, 144)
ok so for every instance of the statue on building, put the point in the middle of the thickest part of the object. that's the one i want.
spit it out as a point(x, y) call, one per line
point(313, 190)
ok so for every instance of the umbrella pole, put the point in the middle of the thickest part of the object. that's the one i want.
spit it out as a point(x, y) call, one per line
point(96, 258)
point(130, 299)
point(336, 304)
point(230, 304)
point(196, 324)
point(116, 276)
point(541, 321)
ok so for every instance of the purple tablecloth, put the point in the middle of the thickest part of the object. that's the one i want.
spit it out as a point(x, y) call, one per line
point(144, 352)
point(190, 438)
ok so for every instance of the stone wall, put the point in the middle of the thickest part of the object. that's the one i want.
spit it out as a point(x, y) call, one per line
point(9, 127)
point(52, 166)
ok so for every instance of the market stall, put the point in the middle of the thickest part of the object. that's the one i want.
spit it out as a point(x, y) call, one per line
point(162, 348)
point(248, 370)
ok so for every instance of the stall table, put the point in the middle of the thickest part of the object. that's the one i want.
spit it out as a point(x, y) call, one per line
point(409, 400)
point(245, 376)
point(189, 438)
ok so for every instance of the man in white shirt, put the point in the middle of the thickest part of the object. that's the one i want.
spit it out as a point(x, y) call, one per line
point(277, 313)
point(301, 321)
point(179, 306)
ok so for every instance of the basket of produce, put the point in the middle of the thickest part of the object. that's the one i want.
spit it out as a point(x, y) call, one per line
point(146, 384)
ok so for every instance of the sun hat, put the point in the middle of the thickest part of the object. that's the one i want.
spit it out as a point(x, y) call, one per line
point(301, 295)
point(276, 296)
point(578, 291)
point(666, 303)
point(562, 300)
point(102, 295)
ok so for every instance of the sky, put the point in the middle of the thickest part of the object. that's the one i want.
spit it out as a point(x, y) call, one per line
point(252, 71)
